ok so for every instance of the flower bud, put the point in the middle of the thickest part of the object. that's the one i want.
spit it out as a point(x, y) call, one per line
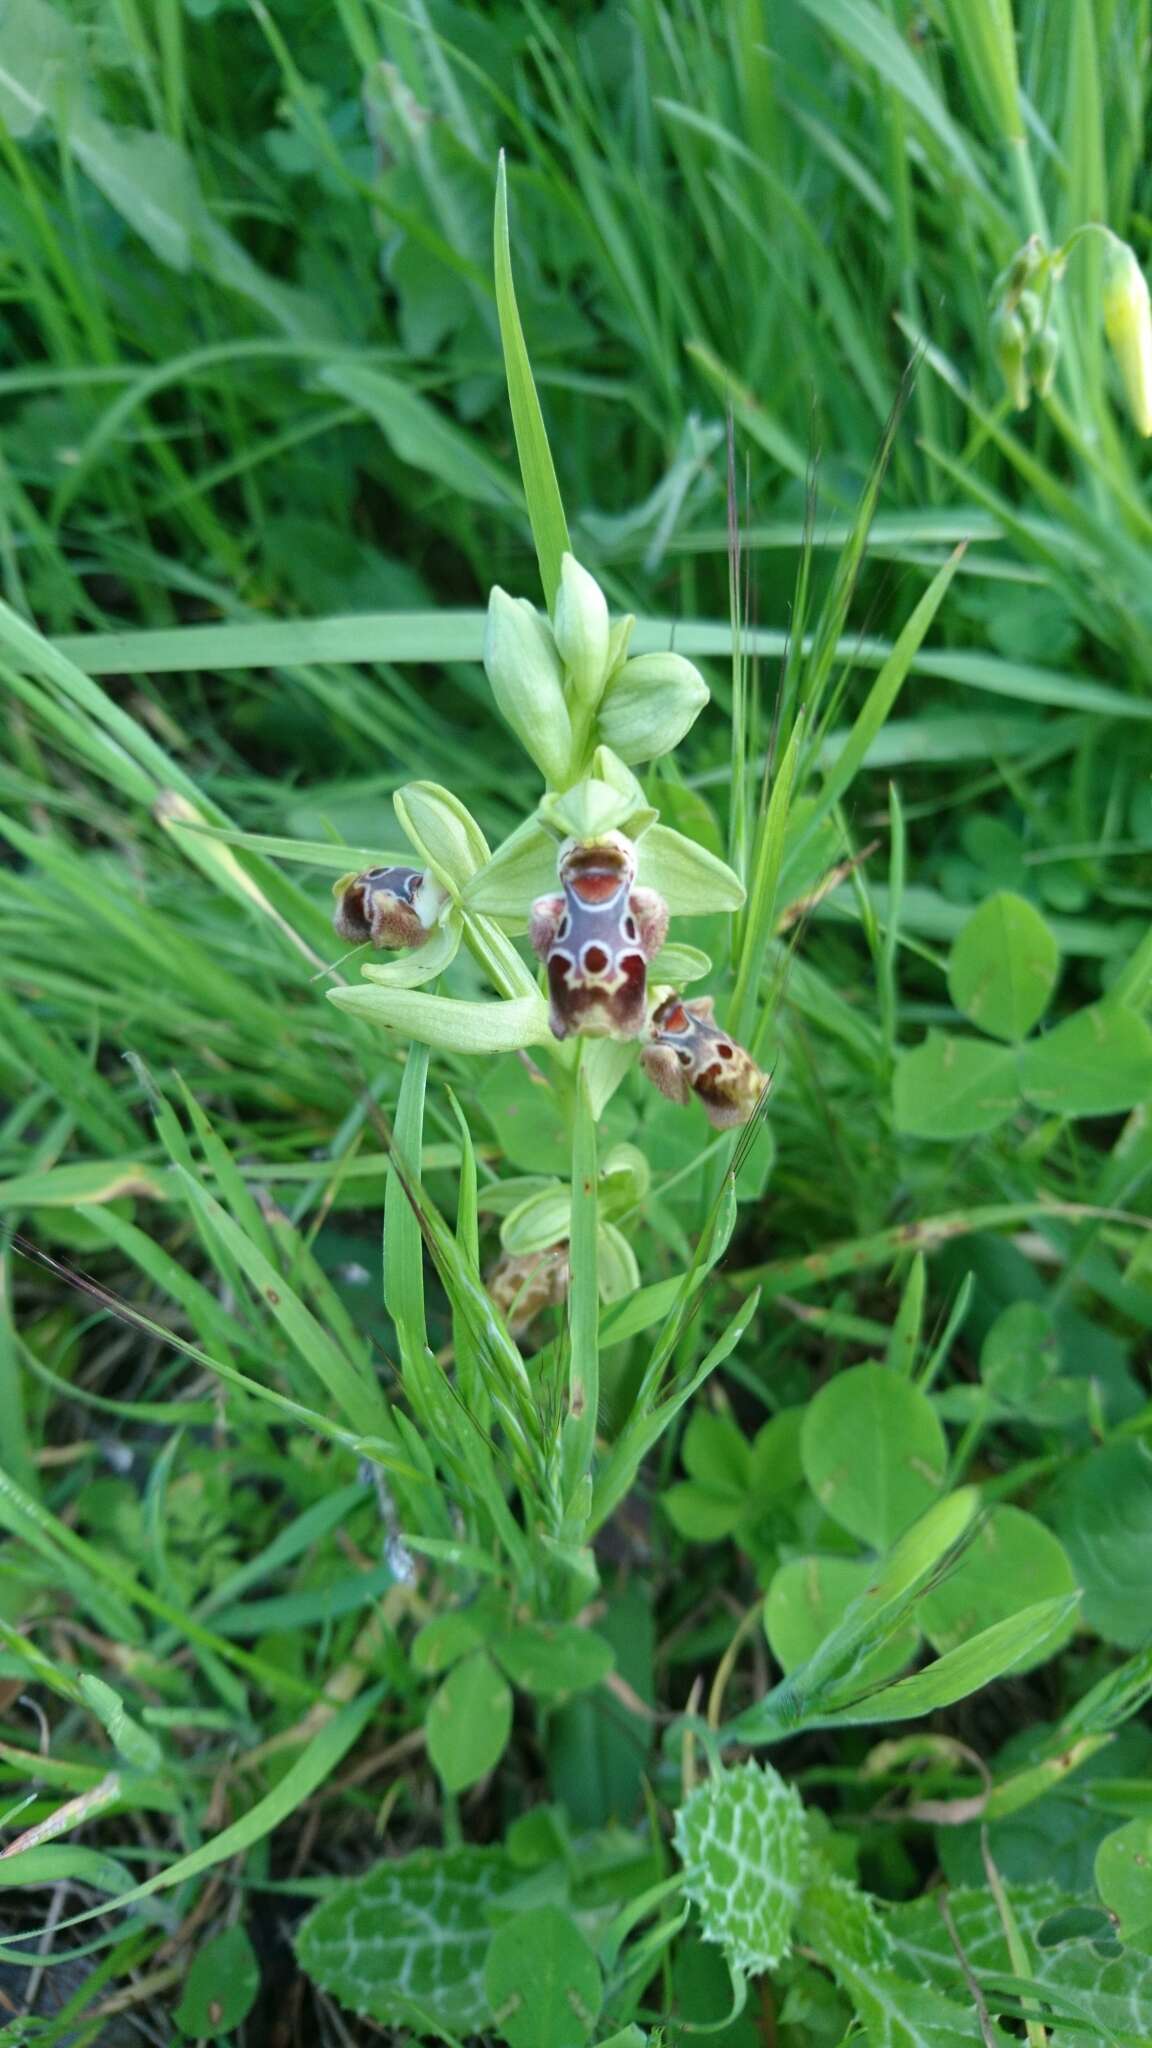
point(392, 907)
point(1128, 326)
point(523, 668)
point(580, 623)
point(689, 1054)
point(1043, 356)
point(1010, 342)
point(650, 704)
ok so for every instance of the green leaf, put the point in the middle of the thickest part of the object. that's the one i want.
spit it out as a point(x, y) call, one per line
point(527, 1116)
point(1003, 967)
point(221, 1986)
point(450, 1025)
point(1102, 1510)
point(1115, 1989)
point(1011, 1562)
point(448, 1637)
point(542, 1981)
point(545, 510)
point(1024, 1639)
point(468, 1722)
point(1124, 1878)
point(407, 1943)
point(841, 1926)
point(741, 1839)
point(953, 1087)
point(552, 1660)
point(422, 435)
point(874, 1453)
point(131, 1741)
point(1097, 1063)
point(806, 1600)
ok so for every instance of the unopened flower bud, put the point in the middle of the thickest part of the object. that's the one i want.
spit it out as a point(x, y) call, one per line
point(1128, 326)
point(688, 1054)
point(392, 907)
point(1010, 344)
point(580, 623)
point(650, 704)
point(1043, 356)
point(596, 938)
point(523, 1284)
point(523, 667)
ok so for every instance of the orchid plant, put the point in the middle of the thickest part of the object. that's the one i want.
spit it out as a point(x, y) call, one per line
point(595, 881)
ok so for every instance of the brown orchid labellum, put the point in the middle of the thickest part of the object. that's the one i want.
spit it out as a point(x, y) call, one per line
point(392, 907)
point(688, 1054)
point(522, 1284)
point(596, 940)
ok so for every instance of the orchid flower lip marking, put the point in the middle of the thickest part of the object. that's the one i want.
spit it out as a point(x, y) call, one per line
point(596, 939)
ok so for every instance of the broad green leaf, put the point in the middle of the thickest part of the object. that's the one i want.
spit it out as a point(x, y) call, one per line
point(1070, 1951)
point(545, 510)
point(1102, 1510)
point(1003, 967)
point(221, 1986)
point(953, 1087)
point(469, 1721)
point(741, 1839)
point(874, 1453)
point(542, 1980)
point(1096, 1063)
point(527, 1116)
point(808, 1596)
point(408, 1942)
point(843, 1928)
point(1011, 1562)
point(1024, 1639)
point(1124, 1879)
point(448, 1637)
point(552, 1660)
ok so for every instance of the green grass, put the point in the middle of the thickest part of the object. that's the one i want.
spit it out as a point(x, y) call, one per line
point(305, 1562)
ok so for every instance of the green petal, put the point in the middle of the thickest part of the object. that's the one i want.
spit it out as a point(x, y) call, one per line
point(412, 970)
point(454, 1027)
point(692, 882)
point(523, 868)
point(443, 832)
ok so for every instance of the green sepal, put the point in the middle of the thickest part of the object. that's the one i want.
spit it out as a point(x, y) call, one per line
point(452, 1026)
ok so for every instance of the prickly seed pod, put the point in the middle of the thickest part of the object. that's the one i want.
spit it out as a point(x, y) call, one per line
point(391, 907)
point(688, 1053)
point(596, 938)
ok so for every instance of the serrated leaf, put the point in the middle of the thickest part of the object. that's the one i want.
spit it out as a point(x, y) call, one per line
point(741, 1839)
point(1097, 1063)
point(953, 1087)
point(874, 1453)
point(543, 1982)
point(409, 1940)
point(842, 1927)
point(1115, 1989)
point(469, 1722)
point(1003, 967)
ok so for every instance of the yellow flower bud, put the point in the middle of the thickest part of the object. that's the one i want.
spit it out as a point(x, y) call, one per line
point(1128, 325)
